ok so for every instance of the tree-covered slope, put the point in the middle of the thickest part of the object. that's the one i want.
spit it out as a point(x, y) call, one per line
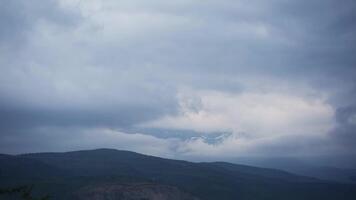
point(64, 174)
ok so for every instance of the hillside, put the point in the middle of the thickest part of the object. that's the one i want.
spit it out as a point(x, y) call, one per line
point(67, 175)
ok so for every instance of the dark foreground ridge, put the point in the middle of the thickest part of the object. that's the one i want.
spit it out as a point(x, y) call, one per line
point(108, 174)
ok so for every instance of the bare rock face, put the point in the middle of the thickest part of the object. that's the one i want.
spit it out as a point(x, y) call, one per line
point(144, 191)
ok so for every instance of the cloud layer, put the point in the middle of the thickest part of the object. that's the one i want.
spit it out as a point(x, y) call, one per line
point(178, 78)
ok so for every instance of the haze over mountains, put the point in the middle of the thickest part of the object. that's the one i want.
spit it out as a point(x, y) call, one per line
point(105, 174)
point(312, 167)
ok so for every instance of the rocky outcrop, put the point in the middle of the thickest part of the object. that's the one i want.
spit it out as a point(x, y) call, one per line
point(143, 191)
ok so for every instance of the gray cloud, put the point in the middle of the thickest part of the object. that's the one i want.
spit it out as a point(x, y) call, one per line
point(121, 64)
point(344, 132)
point(19, 18)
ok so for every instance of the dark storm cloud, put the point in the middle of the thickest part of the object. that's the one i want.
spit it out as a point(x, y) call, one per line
point(121, 117)
point(20, 83)
point(121, 64)
point(19, 18)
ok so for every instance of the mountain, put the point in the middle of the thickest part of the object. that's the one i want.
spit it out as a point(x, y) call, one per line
point(318, 167)
point(114, 174)
point(22, 167)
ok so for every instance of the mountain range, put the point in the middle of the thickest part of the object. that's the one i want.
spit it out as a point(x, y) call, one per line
point(108, 174)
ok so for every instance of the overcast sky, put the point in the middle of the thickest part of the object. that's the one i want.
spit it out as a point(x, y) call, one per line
point(181, 79)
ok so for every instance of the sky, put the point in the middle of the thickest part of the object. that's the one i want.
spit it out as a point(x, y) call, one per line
point(179, 79)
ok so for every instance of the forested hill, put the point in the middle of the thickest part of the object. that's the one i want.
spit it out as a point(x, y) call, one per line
point(113, 174)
